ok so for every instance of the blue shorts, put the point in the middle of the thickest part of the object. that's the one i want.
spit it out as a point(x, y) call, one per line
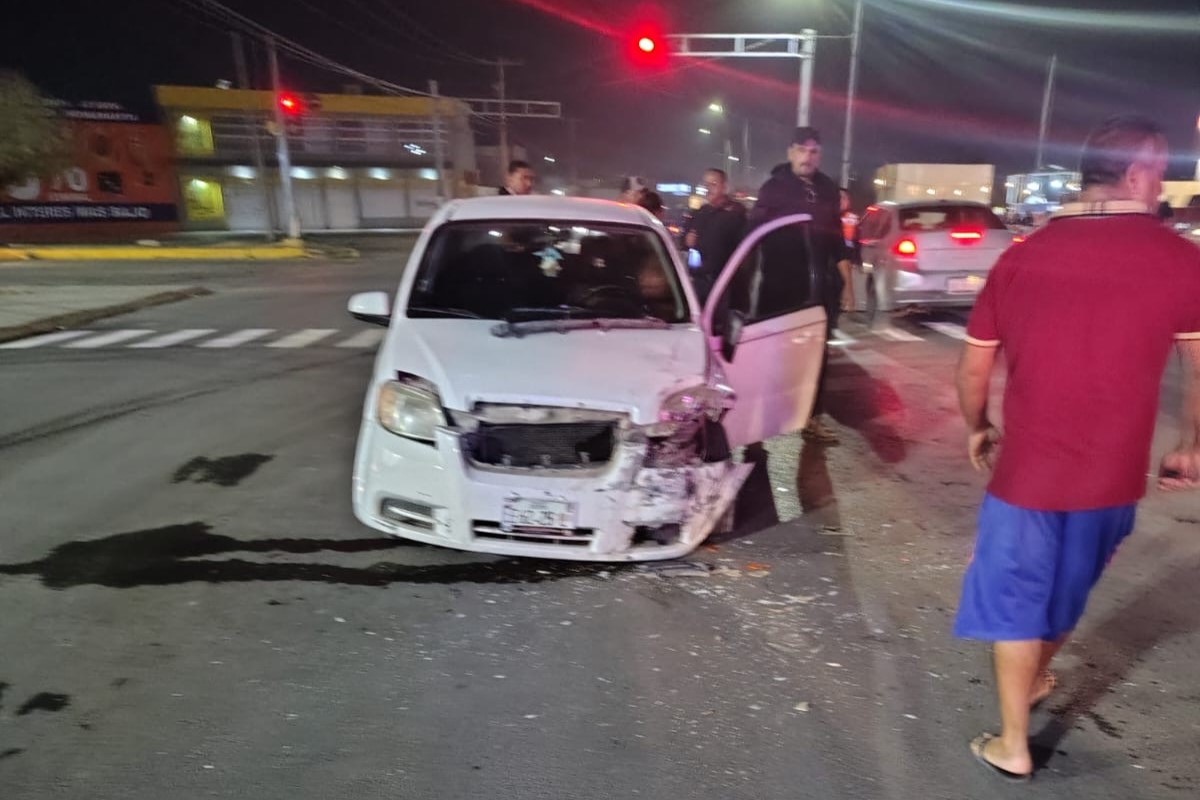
point(1032, 570)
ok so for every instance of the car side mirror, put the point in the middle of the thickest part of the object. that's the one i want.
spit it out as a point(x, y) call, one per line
point(731, 335)
point(373, 307)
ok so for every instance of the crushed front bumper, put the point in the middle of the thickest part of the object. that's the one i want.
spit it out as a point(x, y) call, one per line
point(623, 510)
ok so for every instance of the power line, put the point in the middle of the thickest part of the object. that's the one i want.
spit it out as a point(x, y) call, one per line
point(442, 45)
point(295, 49)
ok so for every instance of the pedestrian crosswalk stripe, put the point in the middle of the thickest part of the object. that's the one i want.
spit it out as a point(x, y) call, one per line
point(108, 338)
point(304, 338)
point(238, 338)
point(948, 329)
point(198, 337)
point(841, 339)
point(45, 338)
point(897, 334)
point(368, 338)
point(174, 338)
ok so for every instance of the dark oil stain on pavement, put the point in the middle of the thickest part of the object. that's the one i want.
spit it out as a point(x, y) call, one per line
point(44, 701)
point(226, 471)
point(180, 554)
point(10, 752)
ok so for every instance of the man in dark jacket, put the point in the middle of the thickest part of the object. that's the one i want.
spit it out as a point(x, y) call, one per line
point(799, 187)
point(715, 231)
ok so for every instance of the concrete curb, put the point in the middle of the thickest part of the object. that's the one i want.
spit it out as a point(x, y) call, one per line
point(76, 318)
point(138, 253)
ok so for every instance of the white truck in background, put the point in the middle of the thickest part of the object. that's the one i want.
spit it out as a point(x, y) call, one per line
point(902, 183)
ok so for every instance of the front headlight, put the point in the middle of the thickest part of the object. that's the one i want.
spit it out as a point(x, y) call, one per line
point(689, 406)
point(410, 410)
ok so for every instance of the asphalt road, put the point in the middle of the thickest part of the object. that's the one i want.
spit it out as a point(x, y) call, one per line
point(188, 608)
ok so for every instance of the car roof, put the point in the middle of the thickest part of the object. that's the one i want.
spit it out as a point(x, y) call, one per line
point(933, 201)
point(549, 207)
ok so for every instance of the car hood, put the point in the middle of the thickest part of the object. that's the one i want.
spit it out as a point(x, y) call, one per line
point(624, 370)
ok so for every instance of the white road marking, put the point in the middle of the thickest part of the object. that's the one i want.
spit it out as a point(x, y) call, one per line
point(897, 334)
point(174, 338)
point(948, 329)
point(45, 338)
point(237, 338)
point(303, 338)
point(842, 339)
point(105, 339)
point(368, 338)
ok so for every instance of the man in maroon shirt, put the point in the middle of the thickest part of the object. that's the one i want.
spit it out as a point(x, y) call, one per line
point(1086, 312)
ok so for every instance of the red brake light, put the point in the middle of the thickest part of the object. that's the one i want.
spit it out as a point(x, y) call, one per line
point(646, 44)
point(905, 247)
point(290, 104)
point(966, 237)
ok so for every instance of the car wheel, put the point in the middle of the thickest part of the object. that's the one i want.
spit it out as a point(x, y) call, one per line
point(871, 299)
point(714, 444)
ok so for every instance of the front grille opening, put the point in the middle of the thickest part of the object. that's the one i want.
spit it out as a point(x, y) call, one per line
point(490, 529)
point(546, 446)
point(660, 534)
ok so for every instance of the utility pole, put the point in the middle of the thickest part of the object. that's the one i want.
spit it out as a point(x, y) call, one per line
point(573, 154)
point(808, 42)
point(1047, 105)
point(502, 94)
point(746, 162)
point(281, 149)
point(851, 90)
point(436, 101)
point(253, 127)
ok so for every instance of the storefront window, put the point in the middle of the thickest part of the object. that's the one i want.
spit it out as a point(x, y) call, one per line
point(194, 136)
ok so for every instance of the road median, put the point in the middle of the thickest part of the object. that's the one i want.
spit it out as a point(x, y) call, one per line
point(259, 252)
point(32, 311)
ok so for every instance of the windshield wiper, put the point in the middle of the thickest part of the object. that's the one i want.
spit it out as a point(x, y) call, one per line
point(563, 312)
point(426, 311)
point(518, 329)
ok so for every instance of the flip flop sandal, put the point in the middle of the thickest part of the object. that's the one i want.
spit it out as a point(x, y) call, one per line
point(979, 745)
point(1050, 682)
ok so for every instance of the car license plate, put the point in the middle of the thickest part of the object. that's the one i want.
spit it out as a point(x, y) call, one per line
point(968, 285)
point(554, 515)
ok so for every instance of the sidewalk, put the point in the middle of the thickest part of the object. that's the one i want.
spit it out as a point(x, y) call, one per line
point(33, 310)
point(221, 251)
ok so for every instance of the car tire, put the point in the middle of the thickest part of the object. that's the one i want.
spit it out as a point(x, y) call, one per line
point(871, 302)
point(714, 446)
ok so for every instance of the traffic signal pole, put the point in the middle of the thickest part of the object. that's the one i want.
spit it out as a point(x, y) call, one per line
point(851, 91)
point(254, 127)
point(281, 150)
point(801, 45)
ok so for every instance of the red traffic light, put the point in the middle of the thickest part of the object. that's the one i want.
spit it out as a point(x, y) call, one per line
point(290, 104)
point(646, 48)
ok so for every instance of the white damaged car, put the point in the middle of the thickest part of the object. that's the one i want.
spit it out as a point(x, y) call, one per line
point(550, 387)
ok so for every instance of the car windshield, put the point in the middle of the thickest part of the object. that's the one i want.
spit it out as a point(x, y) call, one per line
point(948, 217)
point(518, 270)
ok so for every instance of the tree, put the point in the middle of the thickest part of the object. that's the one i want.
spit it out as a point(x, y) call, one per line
point(33, 140)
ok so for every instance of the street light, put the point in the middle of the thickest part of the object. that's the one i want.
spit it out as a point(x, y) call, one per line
point(549, 159)
point(716, 108)
point(705, 131)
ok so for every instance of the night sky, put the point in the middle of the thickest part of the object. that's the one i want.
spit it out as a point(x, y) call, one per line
point(940, 80)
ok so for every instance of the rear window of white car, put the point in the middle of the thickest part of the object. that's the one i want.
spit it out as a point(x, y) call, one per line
point(527, 270)
point(948, 217)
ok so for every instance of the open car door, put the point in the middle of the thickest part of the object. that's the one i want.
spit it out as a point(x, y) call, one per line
point(766, 329)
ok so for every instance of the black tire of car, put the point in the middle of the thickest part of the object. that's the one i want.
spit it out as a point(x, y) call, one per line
point(871, 313)
point(714, 444)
